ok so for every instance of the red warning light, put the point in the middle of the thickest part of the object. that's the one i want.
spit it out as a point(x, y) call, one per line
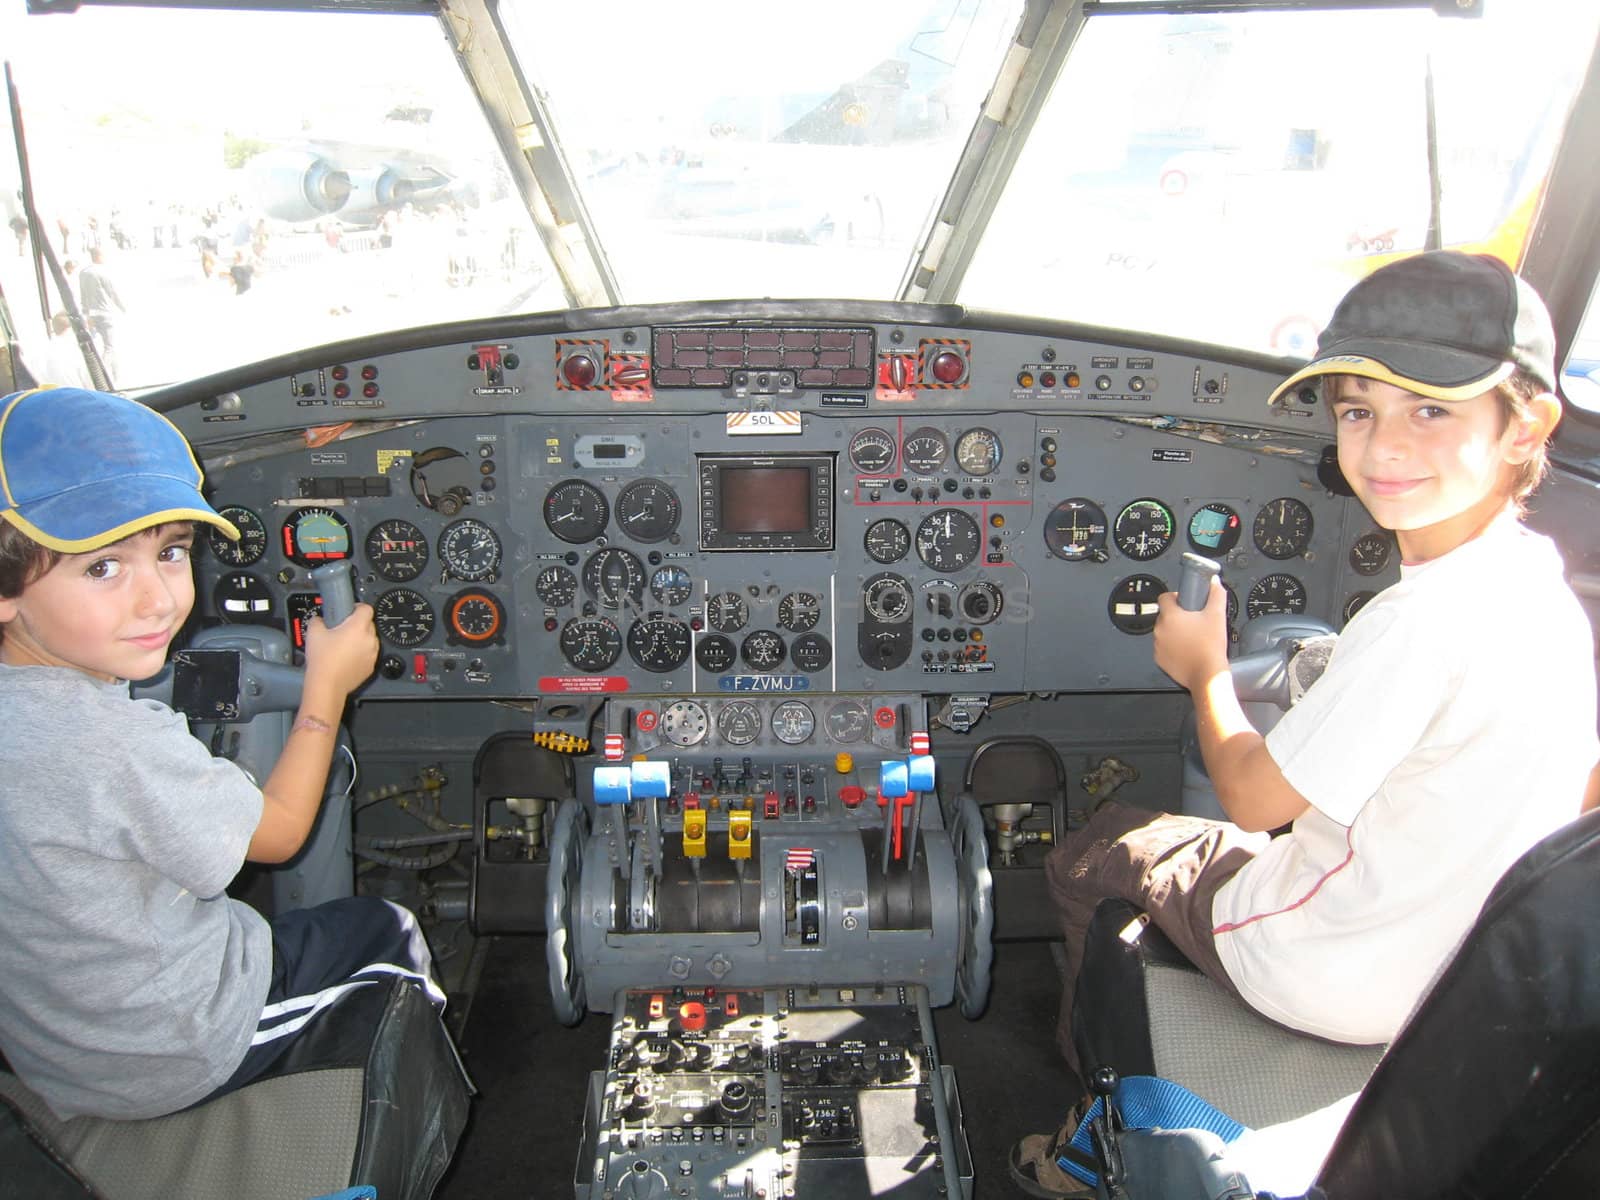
point(579, 370)
point(948, 366)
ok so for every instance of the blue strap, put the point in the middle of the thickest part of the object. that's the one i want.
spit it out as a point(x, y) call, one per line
point(363, 1191)
point(1149, 1102)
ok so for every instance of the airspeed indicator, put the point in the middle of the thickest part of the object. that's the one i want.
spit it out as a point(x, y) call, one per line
point(1144, 529)
point(252, 543)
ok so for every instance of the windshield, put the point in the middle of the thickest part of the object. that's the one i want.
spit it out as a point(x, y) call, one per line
point(735, 163)
point(1239, 172)
point(259, 182)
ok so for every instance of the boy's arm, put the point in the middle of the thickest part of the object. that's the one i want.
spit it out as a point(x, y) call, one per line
point(1191, 647)
point(338, 661)
point(1591, 793)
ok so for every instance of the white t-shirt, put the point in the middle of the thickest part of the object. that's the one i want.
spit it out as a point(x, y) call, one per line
point(1453, 729)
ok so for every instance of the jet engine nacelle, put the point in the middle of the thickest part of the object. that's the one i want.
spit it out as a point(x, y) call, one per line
point(295, 185)
point(376, 189)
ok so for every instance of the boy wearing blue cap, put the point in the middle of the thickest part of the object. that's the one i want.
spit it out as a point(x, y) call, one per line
point(1453, 728)
point(131, 984)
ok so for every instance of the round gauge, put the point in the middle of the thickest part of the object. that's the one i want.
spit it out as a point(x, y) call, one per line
point(659, 643)
point(799, 612)
point(671, 585)
point(887, 541)
point(648, 510)
point(715, 653)
point(739, 722)
point(1076, 531)
point(1370, 554)
point(888, 599)
point(1277, 593)
point(872, 452)
point(1282, 529)
point(1144, 529)
point(403, 617)
point(313, 536)
point(590, 643)
point(576, 510)
point(474, 618)
point(793, 723)
point(847, 722)
point(1214, 529)
point(252, 543)
point(1355, 604)
point(684, 723)
point(762, 650)
point(978, 452)
point(980, 602)
point(469, 550)
point(612, 576)
point(241, 598)
point(1133, 605)
point(810, 652)
point(949, 539)
point(925, 451)
point(727, 612)
point(397, 550)
point(556, 586)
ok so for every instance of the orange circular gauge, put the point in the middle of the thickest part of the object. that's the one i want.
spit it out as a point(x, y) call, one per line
point(475, 617)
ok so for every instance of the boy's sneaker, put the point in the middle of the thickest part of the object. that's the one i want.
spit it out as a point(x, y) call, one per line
point(1033, 1163)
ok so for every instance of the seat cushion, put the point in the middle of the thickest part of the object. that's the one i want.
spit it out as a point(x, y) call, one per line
point(1143, 1009)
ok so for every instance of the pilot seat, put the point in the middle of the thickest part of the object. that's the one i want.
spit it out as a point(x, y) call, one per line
point(1490, 1089)
point(372, 1093)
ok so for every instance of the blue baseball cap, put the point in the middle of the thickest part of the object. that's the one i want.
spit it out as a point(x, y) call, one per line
point(80, 469)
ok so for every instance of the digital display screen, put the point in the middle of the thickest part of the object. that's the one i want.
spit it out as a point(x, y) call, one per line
point(610, 450)
point(766, 499)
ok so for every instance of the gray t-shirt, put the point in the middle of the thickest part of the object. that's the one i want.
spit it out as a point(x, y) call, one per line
point(130, 984)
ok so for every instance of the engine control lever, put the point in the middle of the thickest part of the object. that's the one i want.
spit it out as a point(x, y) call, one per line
point(336, 582)
point(1194, 583)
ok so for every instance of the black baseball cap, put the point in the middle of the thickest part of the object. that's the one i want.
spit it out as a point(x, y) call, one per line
point(1442, 324)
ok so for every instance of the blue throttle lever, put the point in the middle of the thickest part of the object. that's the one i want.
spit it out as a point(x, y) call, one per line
point(336, 582)
point(1194, 584)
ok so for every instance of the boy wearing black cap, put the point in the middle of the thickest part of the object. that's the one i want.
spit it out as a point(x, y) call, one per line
point(1453, 728)
point(131, 985)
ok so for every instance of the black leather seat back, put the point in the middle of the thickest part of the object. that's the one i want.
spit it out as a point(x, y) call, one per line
point(1493, 1087)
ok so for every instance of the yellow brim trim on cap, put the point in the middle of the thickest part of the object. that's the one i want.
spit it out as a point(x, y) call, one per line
point(127, 529)
point(1371, 368)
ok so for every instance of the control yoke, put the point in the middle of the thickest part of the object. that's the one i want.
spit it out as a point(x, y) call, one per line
point(233, 673)
point(1262, 673)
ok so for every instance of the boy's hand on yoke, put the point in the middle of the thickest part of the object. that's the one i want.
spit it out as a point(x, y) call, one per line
point(1192, 647)
point(341, 659)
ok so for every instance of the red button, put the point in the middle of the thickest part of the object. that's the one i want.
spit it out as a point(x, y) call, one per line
point(579, 370)
point(948, 366)
point(692, 1016)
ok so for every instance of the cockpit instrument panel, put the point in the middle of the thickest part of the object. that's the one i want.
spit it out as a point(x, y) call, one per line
point(777, 502)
